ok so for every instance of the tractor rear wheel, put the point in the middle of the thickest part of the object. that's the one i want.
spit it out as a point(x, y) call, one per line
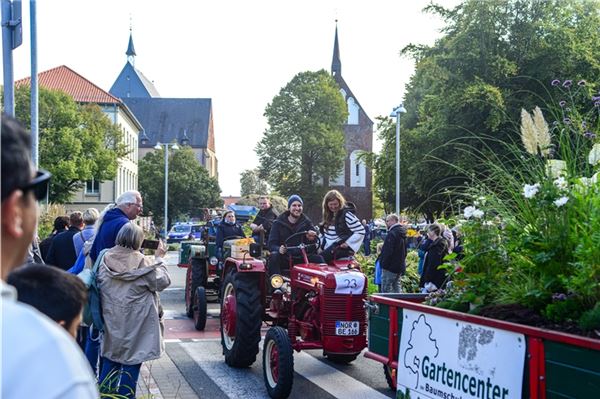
point(278, 363)
point(200, 308)
point(241, 318)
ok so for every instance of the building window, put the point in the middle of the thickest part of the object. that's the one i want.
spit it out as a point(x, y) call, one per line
point(359, 173)
point(92, 187)
point(352, 112)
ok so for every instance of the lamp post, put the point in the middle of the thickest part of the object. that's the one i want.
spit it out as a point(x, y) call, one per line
point(166, 146)
point(396, 113)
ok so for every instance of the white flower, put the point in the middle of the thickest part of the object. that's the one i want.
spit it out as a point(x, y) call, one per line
point(561, 201)
point(468, 212)
point(478, 213)
point(530, 190)
point(594, 156)
point(561, 183)
point(585, 182)
point(555, 167)
point(595, 177)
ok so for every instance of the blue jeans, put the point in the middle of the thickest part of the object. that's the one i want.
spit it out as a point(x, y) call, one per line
point(119, 378)
point(92, 349)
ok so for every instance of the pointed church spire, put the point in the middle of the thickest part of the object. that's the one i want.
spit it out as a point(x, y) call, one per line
point(336, 64)
point(130, 49)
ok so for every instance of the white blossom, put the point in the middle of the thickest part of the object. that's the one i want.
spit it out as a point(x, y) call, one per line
point(468, 212)
point(561, 183)
point(561, 201)
point(478, 213)
point(530, 190)
point(555, 167)
point(594, 156)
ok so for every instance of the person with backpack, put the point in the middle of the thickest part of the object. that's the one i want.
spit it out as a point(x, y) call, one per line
point(129, 283)
point(393, 255)
point(90, 216)
point(342, 232)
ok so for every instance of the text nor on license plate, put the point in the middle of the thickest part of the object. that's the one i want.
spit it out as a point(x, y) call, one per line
point(346, 328)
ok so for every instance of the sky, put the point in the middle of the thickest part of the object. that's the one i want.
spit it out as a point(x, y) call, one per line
point(239, 53)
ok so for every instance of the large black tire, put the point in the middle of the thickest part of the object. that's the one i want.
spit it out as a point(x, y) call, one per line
point(390, 377)
point(200, 308)
point(240, 350)
point(278, 363)
point(199, 270)
point(189, 294)
point(342, 359)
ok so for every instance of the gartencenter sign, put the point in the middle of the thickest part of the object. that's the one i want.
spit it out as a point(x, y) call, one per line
point(448, 359)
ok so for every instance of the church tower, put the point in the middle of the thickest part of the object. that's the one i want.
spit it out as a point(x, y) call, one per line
point(355, 180)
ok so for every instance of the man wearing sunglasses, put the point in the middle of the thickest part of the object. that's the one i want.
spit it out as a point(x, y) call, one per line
point(39, 359)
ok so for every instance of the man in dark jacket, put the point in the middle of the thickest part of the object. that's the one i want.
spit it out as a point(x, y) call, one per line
point(61, 223)
point(393, 255)
point(62, 250)
point(261, 226)
point(288, 223)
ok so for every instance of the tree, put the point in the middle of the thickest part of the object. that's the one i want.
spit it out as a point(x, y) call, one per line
point(77, 142)
point(303, 147)
point(467, 91)
point(190, 186)
point(251, 183)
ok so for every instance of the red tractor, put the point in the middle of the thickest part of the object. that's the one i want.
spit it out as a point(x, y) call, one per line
point(319, 306)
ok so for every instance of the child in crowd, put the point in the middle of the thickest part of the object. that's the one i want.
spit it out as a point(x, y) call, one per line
point(54, 292)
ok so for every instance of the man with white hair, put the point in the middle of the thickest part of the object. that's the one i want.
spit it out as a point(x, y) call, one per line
point(128, 206)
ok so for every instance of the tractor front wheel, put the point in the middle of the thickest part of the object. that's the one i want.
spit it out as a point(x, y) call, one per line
point(200, 308)
point(278, 363)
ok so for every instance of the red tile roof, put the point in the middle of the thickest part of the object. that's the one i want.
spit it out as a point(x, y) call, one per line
point(65, 79)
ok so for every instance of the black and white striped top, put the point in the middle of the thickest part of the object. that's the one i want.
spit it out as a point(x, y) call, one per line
point(330, 236)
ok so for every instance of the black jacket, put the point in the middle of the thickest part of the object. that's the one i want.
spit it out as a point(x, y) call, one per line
point(433, 258)
point(62, 250)
point(282, 229)
point(225, 230)
point(265, 218)
point(393, 252)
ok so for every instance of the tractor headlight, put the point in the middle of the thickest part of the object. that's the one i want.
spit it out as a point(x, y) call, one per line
point(277, 281)
point(213, 260)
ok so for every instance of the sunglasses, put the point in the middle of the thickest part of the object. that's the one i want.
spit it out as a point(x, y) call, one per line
point(39, 185)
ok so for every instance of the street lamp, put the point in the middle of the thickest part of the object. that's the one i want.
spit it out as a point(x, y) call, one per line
point(175, 147)
point(396, 113)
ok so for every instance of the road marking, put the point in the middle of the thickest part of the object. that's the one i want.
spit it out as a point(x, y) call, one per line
point(249, 382)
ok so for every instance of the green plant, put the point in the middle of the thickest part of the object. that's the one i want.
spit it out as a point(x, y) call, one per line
point(590, 320)
point(46, 220)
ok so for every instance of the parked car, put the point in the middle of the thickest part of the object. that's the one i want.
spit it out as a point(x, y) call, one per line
point(185, 231)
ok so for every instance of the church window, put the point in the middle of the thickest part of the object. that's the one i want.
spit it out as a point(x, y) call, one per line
point(352, 111)
point(343, 93)
point(359, 173)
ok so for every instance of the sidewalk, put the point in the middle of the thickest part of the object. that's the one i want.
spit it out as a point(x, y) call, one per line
point(161, 379)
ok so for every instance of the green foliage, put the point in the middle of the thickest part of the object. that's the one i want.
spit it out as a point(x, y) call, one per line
point(590, 320)
point(77, 142)
point(569, 308)
point(304, 143)
point(251, 183)
point(468, 90)
point(46, 219)
point(190, 186)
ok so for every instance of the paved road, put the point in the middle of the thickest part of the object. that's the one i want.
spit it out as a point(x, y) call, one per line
point(199, 361)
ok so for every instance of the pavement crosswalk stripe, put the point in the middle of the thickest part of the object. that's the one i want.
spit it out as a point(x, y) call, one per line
point(331, 380)
point(250, 381)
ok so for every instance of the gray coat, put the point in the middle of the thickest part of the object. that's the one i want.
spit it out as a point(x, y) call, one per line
point(129, 284)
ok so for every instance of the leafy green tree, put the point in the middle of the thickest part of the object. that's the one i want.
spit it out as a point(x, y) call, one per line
point(251, 183)
point(303, 147)
point(190, 186)
point(468, 89)
point(77, 142)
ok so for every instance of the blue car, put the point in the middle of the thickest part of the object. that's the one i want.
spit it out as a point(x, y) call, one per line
point(185, 231)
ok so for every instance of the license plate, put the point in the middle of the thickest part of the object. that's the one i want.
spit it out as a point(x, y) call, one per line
point(346, 328)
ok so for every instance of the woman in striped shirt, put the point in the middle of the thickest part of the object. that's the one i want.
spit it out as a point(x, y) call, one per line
point(342, 232)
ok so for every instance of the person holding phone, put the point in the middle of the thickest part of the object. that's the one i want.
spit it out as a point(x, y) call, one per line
point(129, 285)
